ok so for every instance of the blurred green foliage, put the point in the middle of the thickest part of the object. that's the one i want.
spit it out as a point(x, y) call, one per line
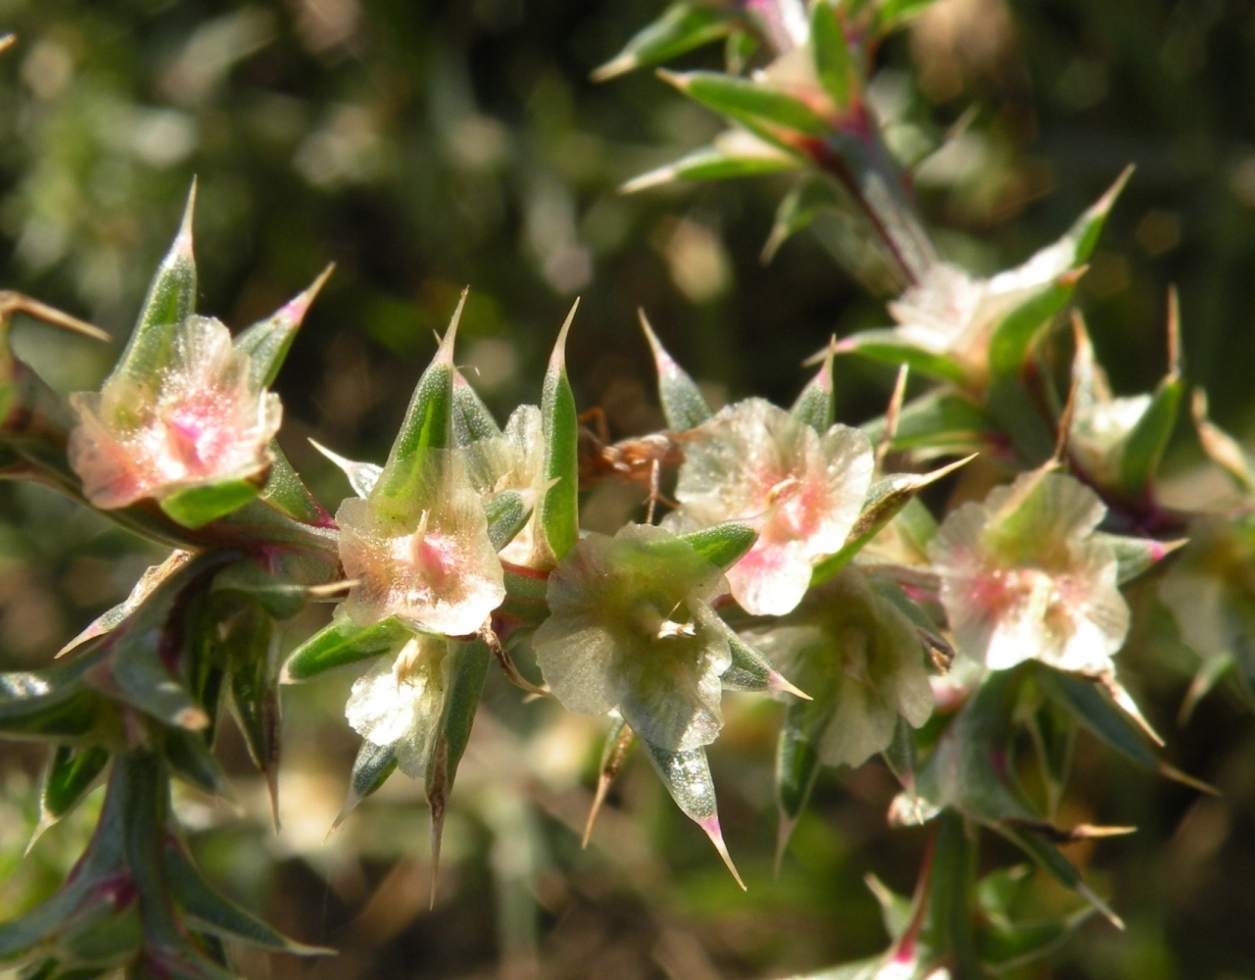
point(426, 146)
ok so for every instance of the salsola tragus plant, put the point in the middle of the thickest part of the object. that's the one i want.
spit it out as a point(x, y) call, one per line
point(788, 554)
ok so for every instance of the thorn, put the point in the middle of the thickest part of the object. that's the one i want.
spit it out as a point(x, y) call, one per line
point(620, 65)
point(599, 798)
point(1090, 896)
point(444, 355)
point(1185, 779)
point(892, 414)
point(776, 681)
point(1065, 420)
point(1174, 333)
point(183, 240)
point(1125, 702)
point(299, 305)
point(11, 302)
point(711, 826)
point(661, 357)
point(7, 41)
point(784, 832)
point(557, 360)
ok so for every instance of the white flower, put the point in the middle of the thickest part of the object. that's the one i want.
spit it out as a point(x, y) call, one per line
point(802, 492)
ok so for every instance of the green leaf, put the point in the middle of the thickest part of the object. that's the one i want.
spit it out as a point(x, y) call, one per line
point(278, 596)
point(507, 514)
point(1083, 700)
point(1051, 860)
point(210, 912)
point(472, 421)
point(191, 759)
point(196, 506)
point(1143, 452)
point(71, 775)
point(339, 644)
point(371, 769)
point(559, 505)
point(268, 341)
point(834, 63)
point(683, 404)
point(885, 500)
point(940, 420)
point(525, 599)
point(766, 112)
point(681, 28)
point(816, 406)
point(1136, 555)
point(723, 545)
point(285, 491)
point(171, 299)
point(811, 196)
point(797, 762)
point(686, 775)
point(750, 670)
point(887, 347)
point(723, 160)
point(53, 702)
point(428, 424)
point(892, 14)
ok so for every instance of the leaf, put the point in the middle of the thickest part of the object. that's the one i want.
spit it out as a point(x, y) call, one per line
point(472, 421)
point(724, 159)
point(816, 406)
point(751, 671)
point(507, 514)
point(72, 773)
point(339, 644)
point(268, 341)
point(53, 702)
point(1051, 860)
point(834, 64)
point(371, 769)
point(686, 775)
point(683, 404)
point(278, 596)
point(887, 347)
point(940, 420)
point(614, 752)
point(1143, 452)
point(810, 197)
point(766, 112)
point(723, 545)
point(212, 913)
point(191, 759)
point(885, 500)
point(196, 506)
point(892, 14)
point(171, 299)
point(249, 647)
point(1085, 702)
point(285, 491)
point(428, 424)
point(1136, 555)
point(559, 505)
point(797, 766)
point(681, 28)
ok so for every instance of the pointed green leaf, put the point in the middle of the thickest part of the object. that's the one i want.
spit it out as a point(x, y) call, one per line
point(472, 421)
point(559, 505)
point(278, 596)
point(885, 500)
point(767, 112)
point(371, 769)
point(285, 491)
point(467, 670)
point(797, 762)
point(53, 702)
point(268, 341)
point(507, 514)
point(834, 63)
point(682, 27)
point(1136, 555)
point(196, 506)
point(892, 14)
point(939, 420)
point(723, 545)
point(810, 197)
point(1085, 702)
point(362, 476)
point(723, 160)
point(210, 912)
point(816, 406)
point(1051, 860)
point(71, 775)
point(192, 760)
point(686, 775)
point(887, 347)
point(428, 424)
point(683, 404)
point(1143, 452)
point(339, 644)
point(171, 299)
point(249, 646)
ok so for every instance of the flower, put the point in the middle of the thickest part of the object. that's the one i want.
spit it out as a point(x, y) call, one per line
point(196, 421)
point(1022, 577)
point(398, 704)
point(424, 558)
point(631, 628)
point(802, 492)
point(860, 659)
point(951, 312)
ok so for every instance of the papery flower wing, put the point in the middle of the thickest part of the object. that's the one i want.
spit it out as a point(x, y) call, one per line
point(426, 560)
point(398, 704)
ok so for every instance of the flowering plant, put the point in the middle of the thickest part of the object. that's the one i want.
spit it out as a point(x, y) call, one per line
point(962, 624)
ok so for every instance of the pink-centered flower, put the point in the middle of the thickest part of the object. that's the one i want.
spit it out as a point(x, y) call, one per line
point(1023, 577)
point(802, 492)
point(196, 421)
point(426, 558)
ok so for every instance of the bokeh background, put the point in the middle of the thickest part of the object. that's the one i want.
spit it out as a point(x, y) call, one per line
point(425, 146)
